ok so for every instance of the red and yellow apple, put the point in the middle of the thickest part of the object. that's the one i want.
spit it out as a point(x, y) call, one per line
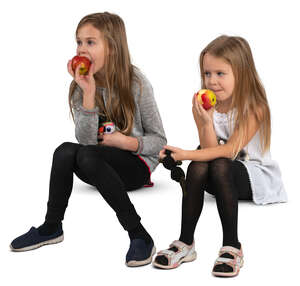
point(207, 98)
point(84, 63)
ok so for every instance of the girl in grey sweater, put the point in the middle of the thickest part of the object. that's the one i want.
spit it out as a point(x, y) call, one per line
point(114, 163)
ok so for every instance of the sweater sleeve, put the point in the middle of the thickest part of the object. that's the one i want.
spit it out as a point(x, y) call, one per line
point(86, 121)
point(153, 138)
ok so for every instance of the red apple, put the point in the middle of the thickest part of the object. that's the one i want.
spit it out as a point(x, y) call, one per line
point(207, 98)
point(84, 63)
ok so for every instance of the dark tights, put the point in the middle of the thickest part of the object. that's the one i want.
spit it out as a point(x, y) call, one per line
point(228, 181)
point(111, 170)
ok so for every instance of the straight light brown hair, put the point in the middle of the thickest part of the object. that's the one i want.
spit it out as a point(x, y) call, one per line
point(117, 74)
point(249, 96)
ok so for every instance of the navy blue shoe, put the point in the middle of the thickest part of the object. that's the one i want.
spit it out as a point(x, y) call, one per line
point(139, 253)
point(32, 240)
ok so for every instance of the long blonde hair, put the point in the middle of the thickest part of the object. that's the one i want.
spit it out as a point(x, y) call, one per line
point(249, 96)
point(118, 71)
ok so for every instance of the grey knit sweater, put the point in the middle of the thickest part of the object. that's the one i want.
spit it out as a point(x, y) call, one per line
point(147, 127)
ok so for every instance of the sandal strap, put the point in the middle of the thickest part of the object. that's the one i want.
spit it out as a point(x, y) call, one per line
point(180, 245)
point(166, 252)
point(224, 260)
point(231, 249)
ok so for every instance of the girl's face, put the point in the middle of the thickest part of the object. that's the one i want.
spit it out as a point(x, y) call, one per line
point(218, 76)
point(91, 44)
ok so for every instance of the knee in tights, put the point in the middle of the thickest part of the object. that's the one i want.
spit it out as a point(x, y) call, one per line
point(219, 167)
point(197, 173)
point(66, 151)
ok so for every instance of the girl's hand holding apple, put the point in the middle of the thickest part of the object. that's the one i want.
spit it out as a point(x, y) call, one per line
point(82, 72)
point(202, 117)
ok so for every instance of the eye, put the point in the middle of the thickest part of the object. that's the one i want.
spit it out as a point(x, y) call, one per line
point(207, 74)
point(90, 42)
point(220, 73)
point(78, 42)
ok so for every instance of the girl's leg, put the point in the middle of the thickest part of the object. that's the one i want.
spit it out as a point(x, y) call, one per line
point(114, 172)
point(61, 181)
point(61, 184)
point(192, 204)
point(228, 181)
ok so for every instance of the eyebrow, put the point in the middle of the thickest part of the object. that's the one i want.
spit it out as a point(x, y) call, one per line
point(87, 38)
point(218, 70)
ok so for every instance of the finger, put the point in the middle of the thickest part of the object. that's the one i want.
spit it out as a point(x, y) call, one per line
point(70, 69)
point(76, 73)
point(198, 109)
point(195, 97)
point(91, 70)
point(211, 110)
point(171, 148)
point(162, 154)
point(201, 109)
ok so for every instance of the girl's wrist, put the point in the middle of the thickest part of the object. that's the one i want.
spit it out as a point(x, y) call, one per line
point(130, 143)
point(88, 101)
point(185, 155)
point(208, 127)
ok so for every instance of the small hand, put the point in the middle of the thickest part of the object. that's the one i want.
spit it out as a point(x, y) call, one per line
point(177, 153)
point(86, 82)
point(201, 116)
point(115, 139)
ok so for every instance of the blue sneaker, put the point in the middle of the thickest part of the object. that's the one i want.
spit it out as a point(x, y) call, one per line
point(139, 253)
point(32, 240)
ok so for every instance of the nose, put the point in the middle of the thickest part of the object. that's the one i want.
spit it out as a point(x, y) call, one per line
point(212, 80)
point(81, 50)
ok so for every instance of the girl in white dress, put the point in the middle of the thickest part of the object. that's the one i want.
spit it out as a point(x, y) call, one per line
point(240, 168)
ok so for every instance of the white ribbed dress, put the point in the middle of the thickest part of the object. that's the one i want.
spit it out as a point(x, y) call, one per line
point(264, 173)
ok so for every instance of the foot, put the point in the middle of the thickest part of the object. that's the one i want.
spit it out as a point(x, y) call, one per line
point(32, 240)
point(178, 253)
point(139, 253)
point(229, 262)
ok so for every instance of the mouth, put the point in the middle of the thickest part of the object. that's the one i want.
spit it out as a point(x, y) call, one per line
point(216, 91)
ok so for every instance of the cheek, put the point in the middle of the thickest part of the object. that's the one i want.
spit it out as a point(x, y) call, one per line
point(206, 82)
point(228, 85)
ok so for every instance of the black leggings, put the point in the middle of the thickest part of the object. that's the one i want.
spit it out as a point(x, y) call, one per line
point(228, 181)
point(111, 170)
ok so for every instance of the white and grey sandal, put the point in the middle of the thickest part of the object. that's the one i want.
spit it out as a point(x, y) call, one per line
point(235, 263)
point(185, 253)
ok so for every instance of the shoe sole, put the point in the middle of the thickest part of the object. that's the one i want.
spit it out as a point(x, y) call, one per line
point(35, 246)
point(188, 258)
point(134, 263)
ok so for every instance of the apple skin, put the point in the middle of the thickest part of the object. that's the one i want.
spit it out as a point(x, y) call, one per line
point(84, 63)
point(207, 98)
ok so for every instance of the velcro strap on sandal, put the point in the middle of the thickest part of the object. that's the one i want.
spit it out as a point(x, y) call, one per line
point(231, 249)
point(179, 244)
point(166, 252)
point(224, 260)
